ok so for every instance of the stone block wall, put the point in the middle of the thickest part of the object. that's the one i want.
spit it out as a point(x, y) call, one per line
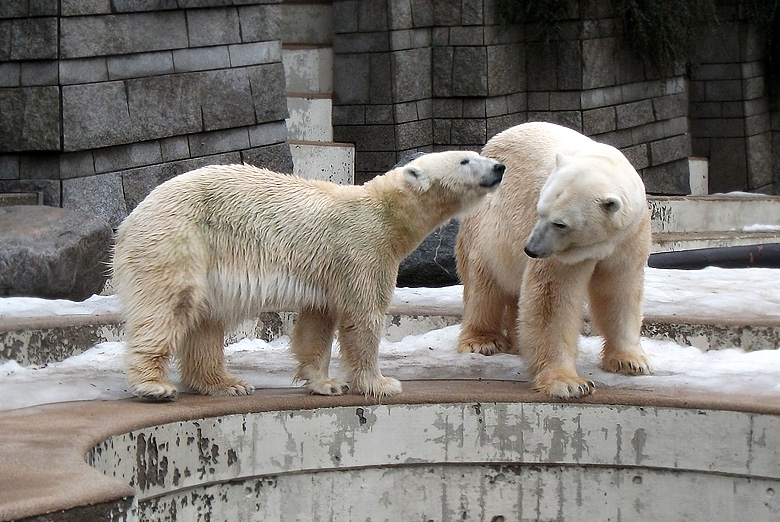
point(427, 75)
point(730, 110)
point(101, 101)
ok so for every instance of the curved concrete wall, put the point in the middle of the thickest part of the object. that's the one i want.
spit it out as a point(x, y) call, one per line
point(473, 461)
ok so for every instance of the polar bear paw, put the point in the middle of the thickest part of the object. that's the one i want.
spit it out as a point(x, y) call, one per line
point(230, 388)
point(377, 388)
point(326, 387)
point(485, 345)
point(630, 364)
point(155, 390)
point(565, 386)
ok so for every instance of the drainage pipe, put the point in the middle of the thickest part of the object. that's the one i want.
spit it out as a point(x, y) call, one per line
point(750, 256)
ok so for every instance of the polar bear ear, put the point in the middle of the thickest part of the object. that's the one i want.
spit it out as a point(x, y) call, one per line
point(417, 178)
point(612, 204)
point(560, 159)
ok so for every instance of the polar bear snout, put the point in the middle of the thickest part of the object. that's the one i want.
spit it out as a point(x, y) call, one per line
point(494, 176)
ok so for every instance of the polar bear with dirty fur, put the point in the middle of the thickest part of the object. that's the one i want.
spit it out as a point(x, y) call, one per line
point(569, 224)
point(220, 244)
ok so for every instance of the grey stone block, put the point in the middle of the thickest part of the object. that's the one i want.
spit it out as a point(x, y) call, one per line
point(634, 114)
point(345, 16)
point(442, 131)
point(225, 97)
point(367, 138)
point(598, 62)
point(669, 178)
point(119, 34)
point(10, 74)
point(83, 70)
point(539, 101)
point(356, 114)
point(21, 131)
point(474, 108)
point(39, 72)
point(669, 149)
point(88, 7)
point(174, 148)
point(447, 13)
point(96, 115)
point(268, 92)
point(541, 64)
point(474, 60)
point(52, 252)
point(673, 106)
point(564, 100)
point(140, 64)
point(372, 16)
point(414, 134)
point(77, 164)
point(162, 106)
point(505, 71)
point(33, 39)
point(468, 132)
point(201, 59)
point(210, 143)
point(361, 43)
point(39, 166)
point(598, 121)
point(467, 36)
point(411, 74)
point(213, 27)
point(381, 79)
point(260, 23)
point(123, 157)
point(637, 155)
point(759, 160)
point(268, 134)
point(399, 15)
point(350, 83)
point(442, 62)
point(9, 166)
point(569, 65)
point(275, 157)
point(728, 165)
point(255, 53)
point(724, 90)
point(100, 195)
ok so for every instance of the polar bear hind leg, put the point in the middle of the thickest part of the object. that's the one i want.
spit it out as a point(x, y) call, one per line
point(311, 341)
point(202, 362)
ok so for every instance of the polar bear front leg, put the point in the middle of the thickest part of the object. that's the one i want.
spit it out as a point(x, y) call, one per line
point(359, 341)
point(616, 309)
point(311, 341)
point(202, 362)
point(549, 326)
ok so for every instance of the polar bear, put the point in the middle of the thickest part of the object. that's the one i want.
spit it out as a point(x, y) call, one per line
point(570, 222)
point(220, 244)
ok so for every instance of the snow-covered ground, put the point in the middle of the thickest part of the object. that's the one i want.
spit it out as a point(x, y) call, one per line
point(716, 293)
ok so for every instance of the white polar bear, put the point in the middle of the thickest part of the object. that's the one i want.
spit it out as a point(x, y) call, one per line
point(570, 221)
point(220, 244)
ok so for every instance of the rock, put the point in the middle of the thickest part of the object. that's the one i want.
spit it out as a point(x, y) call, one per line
point(52, 252)
point(432, 264)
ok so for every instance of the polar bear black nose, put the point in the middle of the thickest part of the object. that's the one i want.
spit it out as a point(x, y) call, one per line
point(530, 253)
point(499, 168)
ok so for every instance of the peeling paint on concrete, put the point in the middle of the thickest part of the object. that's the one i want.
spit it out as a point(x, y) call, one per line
point(476, 461)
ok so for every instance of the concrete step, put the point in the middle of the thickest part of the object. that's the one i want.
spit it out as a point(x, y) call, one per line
point(308, 68)
point(310, 117)
point(692, 222)
point(328, 161)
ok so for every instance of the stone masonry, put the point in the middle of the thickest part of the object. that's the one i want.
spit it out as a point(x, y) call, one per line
point(425, 75)
point(101, 101)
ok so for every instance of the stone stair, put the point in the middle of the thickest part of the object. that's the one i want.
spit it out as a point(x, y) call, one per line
point(724, 220)
point(307, 55)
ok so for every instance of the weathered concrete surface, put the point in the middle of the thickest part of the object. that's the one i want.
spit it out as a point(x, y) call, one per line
point(445, 449)
point(52, 252)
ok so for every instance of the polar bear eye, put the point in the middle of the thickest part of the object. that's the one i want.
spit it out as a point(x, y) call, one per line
point(560, 226)
point(464, 162)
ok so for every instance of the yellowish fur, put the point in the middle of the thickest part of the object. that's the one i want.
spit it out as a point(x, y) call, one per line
point(220, 244)
point(515, 304)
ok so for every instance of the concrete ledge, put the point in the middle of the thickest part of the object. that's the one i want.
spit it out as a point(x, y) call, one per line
point(682, 433)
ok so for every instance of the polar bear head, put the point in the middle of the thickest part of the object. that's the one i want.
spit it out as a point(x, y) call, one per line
point(587, 206)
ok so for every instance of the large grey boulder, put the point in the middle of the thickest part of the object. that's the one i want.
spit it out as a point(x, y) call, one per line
point(52, 252)
point(433, 262)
